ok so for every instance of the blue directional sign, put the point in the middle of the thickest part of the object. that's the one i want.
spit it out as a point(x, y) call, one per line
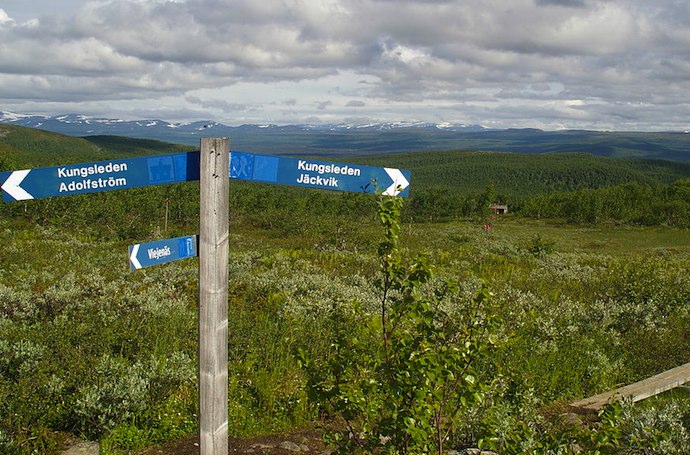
point(319, 174)
point(96, 177)
point(180, 167)
point(161, 251)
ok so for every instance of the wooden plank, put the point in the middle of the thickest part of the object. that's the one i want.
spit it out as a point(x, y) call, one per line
point(213, 297)
point(638, 391)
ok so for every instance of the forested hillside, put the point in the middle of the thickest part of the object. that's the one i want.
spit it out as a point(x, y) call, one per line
point(122, 147)
point(446, 185)
point(576, 187)
point(512, 175)
point(516, 175)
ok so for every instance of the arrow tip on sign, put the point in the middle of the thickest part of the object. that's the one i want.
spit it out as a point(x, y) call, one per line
point(12, 188)
point(399, 182)
point(133, 261)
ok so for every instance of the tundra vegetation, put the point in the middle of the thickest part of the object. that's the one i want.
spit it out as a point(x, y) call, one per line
point(399, 327)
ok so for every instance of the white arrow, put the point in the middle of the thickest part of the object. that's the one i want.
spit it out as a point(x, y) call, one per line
point(11, 185)
point(133, 258)
point(399, 182)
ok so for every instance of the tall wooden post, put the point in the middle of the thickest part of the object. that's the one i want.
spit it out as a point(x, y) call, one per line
point(213, 297)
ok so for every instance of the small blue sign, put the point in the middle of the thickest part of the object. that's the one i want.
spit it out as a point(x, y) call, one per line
point(161, 251)
point(100, 176)
point(326, 175)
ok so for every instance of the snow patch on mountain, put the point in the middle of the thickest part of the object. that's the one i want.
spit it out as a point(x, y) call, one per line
point(54, 123)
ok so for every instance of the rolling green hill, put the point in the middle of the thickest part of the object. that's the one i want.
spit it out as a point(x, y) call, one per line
point(28, 147)
point(126, 147)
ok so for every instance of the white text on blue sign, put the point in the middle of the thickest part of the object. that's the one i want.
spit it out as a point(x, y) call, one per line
point(319, 174)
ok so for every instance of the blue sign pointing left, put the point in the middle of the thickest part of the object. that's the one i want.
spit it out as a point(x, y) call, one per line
point(100, 176)
point(161, 251)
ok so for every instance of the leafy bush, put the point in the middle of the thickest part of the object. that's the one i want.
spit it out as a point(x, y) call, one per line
point(402, 381)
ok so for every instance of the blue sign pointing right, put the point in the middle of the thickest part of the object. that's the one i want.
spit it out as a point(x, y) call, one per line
point(326, 175)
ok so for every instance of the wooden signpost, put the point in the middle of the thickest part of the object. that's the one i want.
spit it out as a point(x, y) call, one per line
point(213, 165)
point(213, 298)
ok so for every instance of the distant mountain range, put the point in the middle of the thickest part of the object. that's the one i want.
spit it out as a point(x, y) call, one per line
point(82, 125)
point(369, 139)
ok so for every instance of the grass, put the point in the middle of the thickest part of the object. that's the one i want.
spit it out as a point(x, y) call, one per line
point(605, 239)
point(575, 301)
point(602, 238)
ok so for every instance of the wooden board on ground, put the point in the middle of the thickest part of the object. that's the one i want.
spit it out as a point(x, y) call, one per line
point(638, 391)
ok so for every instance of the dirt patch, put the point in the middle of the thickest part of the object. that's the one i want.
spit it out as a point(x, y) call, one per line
point(307, 441)
point(83, 448)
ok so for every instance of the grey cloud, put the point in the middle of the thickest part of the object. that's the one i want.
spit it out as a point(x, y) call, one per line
point(566, 3)
point(22, 10)
point(220, 104)
point(356, 103)
point(258, 35)
point(72, 89)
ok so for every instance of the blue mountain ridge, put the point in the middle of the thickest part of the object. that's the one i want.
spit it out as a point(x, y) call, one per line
point(369, 139)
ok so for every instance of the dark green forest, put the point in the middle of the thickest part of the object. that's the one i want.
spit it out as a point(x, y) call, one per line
point(446, 185)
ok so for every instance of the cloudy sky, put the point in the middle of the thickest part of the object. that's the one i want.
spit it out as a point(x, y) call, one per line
point(551, 64)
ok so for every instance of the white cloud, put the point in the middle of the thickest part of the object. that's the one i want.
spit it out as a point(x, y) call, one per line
point(4, 18)
point(465, 60)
